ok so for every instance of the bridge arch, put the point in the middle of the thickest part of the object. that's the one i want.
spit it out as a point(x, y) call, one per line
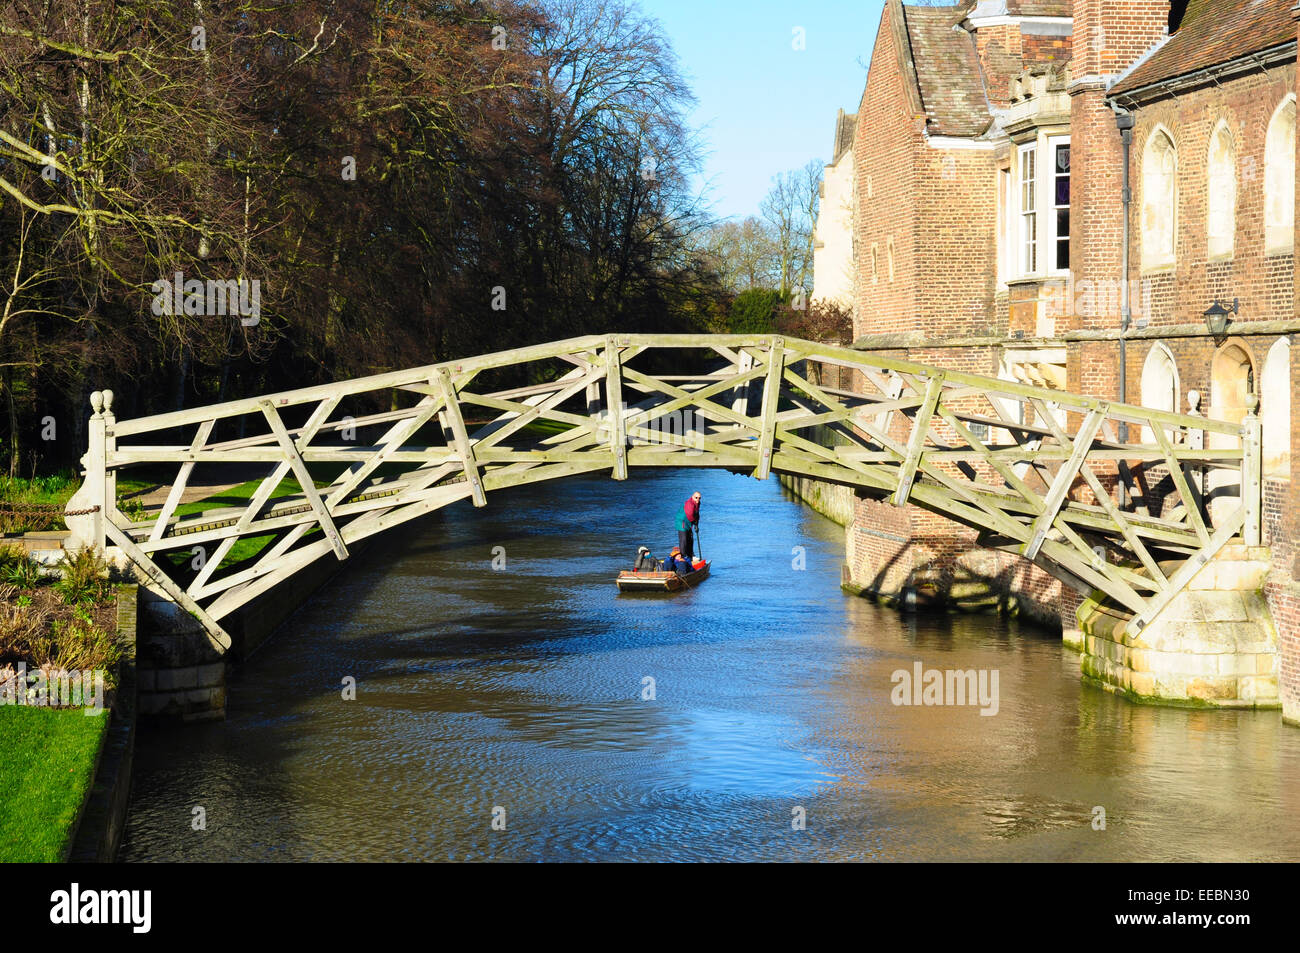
point(1033, 469)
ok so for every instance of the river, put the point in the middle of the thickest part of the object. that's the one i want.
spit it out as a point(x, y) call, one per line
point(504, 713)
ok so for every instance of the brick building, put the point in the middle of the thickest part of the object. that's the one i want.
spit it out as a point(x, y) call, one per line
point(991, 234)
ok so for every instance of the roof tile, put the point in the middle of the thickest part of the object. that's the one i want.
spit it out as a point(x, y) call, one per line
point(1214, 32)
point(947, 72)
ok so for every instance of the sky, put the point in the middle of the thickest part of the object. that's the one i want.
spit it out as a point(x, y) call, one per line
point(765, 107)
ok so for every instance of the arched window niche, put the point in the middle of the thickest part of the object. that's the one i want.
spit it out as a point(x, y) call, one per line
point(1160, 387)
point(1159, 199)
point(1221, 212)
point(1275, 409)
point(1232, 382)
point(1279, 181)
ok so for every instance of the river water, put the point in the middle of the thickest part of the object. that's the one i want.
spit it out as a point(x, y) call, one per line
point(516, 698)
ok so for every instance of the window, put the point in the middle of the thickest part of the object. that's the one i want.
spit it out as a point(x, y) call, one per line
point(1061, 203)
point(1041, 229)
point(1221, 172)
point(1279, 181)
point(1006, 243)
point(1028, 210)
point(1159, 200)
point(875, 263)
point(890, 249)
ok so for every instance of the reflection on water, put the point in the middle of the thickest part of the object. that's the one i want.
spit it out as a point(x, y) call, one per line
point(522, 690)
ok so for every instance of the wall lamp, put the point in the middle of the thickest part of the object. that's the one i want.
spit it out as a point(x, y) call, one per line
point(1217, 319)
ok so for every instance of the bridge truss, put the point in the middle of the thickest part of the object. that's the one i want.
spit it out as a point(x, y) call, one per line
point(1123, 499)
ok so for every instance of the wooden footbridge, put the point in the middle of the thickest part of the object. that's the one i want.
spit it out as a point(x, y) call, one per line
point(1123, 499)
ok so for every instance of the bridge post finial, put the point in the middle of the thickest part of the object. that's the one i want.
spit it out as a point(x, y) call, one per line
point(89, 504)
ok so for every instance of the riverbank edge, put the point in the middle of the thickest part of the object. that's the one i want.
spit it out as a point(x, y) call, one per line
point(183, 676)
point(831, 500)
point(97, 832)
point(836, 503)
point(1007, 605)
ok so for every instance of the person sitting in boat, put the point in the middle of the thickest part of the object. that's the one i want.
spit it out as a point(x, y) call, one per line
point(644, 561)
point(676, 562)
point(688, 518)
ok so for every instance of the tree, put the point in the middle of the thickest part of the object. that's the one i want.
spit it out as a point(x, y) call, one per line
point(790, 209)
point(743, 253)
point(754, 311)
point(386, 173)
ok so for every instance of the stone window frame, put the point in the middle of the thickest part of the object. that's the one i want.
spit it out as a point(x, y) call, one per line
point(875, 263)
point(889, 254)
point(1044, 214)
point(1051, 208)
point(1221, 252)
point(1006, 221)
point(1027, 220)
point(1232, 356)
point(1158, 259)
point(1279, 237)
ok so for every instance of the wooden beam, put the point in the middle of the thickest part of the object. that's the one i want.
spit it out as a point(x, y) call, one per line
point(683, 398)
point(199, 586)
point(920, 431)
point(771, 400)
point(182, 477)
point(1252, 477)
point(1062, 482)
point(464, 448)
point(614, 410)
point(1190, 500)
point(219, 637)
point(305, 481)
point(1183, 575)
point(740, 398)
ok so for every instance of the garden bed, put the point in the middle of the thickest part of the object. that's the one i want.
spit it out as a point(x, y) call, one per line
point(54, 629)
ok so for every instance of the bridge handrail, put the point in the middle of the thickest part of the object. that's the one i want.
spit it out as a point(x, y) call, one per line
point(845, 356)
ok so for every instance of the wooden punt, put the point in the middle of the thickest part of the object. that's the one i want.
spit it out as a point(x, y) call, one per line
point(631, 581)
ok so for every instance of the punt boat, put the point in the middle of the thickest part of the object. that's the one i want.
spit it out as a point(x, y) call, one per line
point(629, 580)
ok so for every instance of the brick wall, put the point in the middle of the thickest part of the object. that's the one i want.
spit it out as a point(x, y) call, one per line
point(1264, 285)
point(1283, 591)
point(888, 132)
point(1044, 49)
point(1000, 52)
point(955, 255)
point(1110, 34)
point(939, 208)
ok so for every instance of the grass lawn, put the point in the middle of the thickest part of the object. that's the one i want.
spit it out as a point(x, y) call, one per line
point(47, 762)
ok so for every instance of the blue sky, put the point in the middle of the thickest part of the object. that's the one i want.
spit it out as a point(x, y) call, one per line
point(763, 106)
